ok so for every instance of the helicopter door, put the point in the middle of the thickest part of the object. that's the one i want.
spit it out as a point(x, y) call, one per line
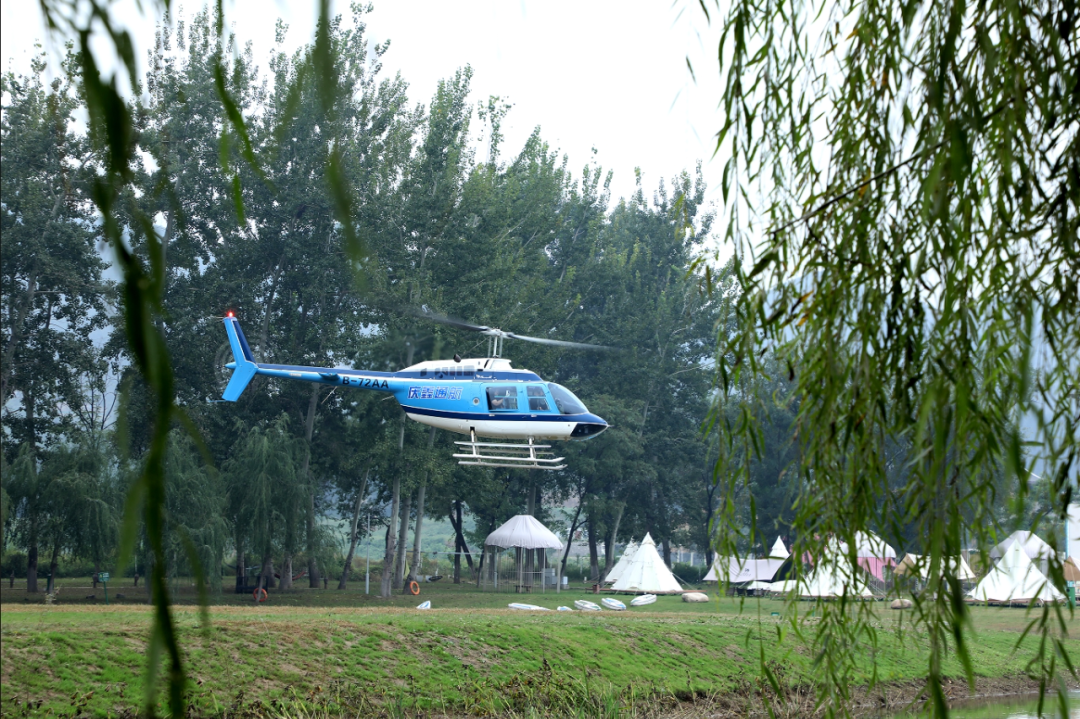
point(502, 398)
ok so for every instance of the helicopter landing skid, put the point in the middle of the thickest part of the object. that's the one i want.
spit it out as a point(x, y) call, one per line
point(508, 454)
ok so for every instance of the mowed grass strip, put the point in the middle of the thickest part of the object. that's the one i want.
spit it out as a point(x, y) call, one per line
point(94, 657)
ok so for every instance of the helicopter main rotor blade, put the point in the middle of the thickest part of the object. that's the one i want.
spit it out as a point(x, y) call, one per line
point(559, 343)
point(496, 332)
point(450, 321)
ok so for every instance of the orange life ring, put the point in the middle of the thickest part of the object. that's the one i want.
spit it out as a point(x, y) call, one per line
point(256, 594)
point(414, 588)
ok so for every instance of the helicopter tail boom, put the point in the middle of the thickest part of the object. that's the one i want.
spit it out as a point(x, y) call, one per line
point(245, 367)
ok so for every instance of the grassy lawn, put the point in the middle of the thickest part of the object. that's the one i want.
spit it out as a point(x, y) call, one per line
point(467, 654)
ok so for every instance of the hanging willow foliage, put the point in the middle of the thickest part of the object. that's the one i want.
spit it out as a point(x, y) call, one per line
point(903, 180)
point(111, 125)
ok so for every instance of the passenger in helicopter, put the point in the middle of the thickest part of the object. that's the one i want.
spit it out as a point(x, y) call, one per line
point(502, 398)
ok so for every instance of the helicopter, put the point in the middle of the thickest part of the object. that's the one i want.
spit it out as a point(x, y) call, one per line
point(483, 398)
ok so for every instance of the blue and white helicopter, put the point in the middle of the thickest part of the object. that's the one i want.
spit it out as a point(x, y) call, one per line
point(480, 398)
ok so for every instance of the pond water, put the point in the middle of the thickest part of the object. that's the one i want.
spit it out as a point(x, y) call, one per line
point(1023, 707)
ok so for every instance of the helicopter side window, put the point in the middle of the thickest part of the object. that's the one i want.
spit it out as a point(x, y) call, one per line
point(537, 400)
point(502, 398)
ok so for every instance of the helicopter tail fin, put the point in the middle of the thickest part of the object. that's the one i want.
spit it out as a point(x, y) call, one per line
point(244, 366)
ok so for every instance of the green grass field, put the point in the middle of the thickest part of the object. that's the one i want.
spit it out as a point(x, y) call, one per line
point(468, 654)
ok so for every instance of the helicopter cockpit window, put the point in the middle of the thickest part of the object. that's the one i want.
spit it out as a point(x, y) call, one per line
point(565, 400)
point(537, 400)
point(502, 398)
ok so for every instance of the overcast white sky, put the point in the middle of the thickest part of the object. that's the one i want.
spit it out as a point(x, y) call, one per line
point(601, 74)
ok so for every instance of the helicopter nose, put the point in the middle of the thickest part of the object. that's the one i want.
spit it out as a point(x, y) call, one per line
point(591, 427)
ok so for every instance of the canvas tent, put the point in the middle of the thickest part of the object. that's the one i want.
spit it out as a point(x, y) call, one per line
point(526, 568)
point(1034, 547)
point(779, 551)
point(1015, 580)
point(646, 572)
point(834, 577)
point(918, 565)
point(740, 570)
point(620, 566)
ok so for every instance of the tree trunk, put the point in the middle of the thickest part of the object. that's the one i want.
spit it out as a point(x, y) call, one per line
point(241, 565)
point(594, 558)
point(266, 579)
point(609, 544)
point(353, 535)
point(309, 427)
point(54, 565)
point(286, 572)
point(530, 499)
point(32, 559)
point(417, 532)
point(460, 546)
point(403, 535)
point(570, 537)
point(667, 551)
point(391, 538)
point(480, 569)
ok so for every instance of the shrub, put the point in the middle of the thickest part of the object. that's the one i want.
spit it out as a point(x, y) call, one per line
point(690, 573)
point(16, 561)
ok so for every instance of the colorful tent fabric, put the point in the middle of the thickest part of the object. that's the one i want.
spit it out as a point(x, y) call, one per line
point(873, 553)
point(646, 572)
point(1072, 570)
point(918, 565)
point(620, 566)
point(523, 531)
point(1015, 580)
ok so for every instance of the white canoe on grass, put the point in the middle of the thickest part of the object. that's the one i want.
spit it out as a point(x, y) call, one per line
point(528, 607)
point(565, 609)
point(643, 600)
point(424, 605)
point(613, 604)
point(586, 606)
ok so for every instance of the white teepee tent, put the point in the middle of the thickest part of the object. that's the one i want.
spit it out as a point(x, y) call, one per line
point(1037, 550)
point(779, 551)
point(1015, 579)
point(646, 572)
point(624, 561)
point(834, 577)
